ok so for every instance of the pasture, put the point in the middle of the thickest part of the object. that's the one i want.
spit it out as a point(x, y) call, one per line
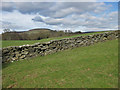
point(6, 43)
point(94, 66)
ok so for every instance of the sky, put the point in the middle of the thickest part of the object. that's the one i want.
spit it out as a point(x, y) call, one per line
point(74, 16)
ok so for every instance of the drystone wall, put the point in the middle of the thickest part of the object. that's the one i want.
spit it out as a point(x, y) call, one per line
point(15, 53)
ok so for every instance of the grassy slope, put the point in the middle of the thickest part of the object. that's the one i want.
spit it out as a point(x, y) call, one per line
point(94, 66)
point(7, 43)
point(37, 31)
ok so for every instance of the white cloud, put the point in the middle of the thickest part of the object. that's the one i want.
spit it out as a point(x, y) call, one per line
point(63, 9)
point(55, 9)
point(73, 16)
point(21, 22)
point(87, 20)
point(65, 12)
point(50, 0)
point(16, 20)
point(60, 0)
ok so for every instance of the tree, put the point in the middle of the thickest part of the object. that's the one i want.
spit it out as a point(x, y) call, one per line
point(6, 30)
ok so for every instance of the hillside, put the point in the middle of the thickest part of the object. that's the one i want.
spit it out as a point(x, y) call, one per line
point(34, 34)
point(92, 66)
point(95, 66)
point(6, 43)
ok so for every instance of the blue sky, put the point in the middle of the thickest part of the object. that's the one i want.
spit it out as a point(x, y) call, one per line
point(75, 16)
point(114, 5)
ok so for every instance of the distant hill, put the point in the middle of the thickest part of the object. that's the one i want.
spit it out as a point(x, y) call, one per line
point(39, 29)
point(39, 33)
point(34, 34)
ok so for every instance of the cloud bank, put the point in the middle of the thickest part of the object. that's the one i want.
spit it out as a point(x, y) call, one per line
point(83, 16)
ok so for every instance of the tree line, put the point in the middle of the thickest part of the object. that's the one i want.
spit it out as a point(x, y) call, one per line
point(34, 34)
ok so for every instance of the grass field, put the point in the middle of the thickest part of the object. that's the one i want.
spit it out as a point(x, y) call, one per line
point(95, 66)
point(6, 43)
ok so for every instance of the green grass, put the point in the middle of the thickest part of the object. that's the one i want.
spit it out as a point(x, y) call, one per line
point(6, 43)
point(95, 66)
